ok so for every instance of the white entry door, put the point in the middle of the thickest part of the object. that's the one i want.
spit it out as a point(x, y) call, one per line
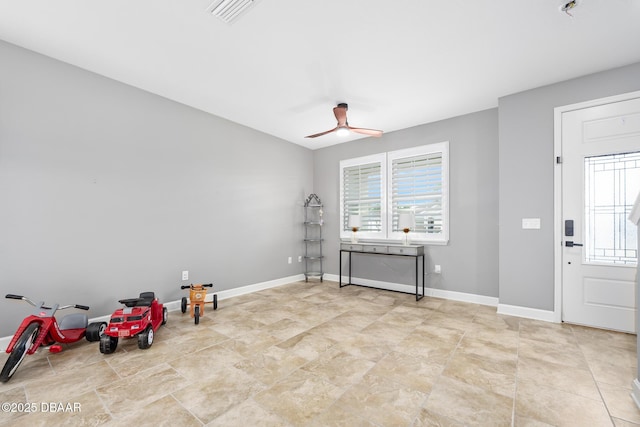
point(600, 181)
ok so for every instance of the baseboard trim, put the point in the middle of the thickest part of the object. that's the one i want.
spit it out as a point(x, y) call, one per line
point(511, 310)
point(4, 342)
point(331, 277)
point(461, 296)
point(222, 295)
point(635, 392)
point(242, 290)
point(411, 289)
point(526, 312)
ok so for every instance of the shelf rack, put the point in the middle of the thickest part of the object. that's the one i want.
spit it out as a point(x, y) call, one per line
point(313, 222)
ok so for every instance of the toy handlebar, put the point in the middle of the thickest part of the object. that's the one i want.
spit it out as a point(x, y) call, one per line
point(20, 297)
point(208, 285)
point(62, 307)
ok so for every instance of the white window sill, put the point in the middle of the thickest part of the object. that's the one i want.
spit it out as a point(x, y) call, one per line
point(398, 242)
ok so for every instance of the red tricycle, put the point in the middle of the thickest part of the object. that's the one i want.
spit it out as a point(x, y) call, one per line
point(197, 296)
point(139, 317)
point(42, 328)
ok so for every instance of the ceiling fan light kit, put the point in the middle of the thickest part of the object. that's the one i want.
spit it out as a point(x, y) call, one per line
point(342, 131)
point(343, 128)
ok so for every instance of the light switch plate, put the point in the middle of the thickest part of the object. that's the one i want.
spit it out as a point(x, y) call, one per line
point(531, 223)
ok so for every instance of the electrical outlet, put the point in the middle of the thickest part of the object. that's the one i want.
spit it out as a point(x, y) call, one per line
point(185, 275)
point(299, 258)
point(437, 269)
point(289, 260)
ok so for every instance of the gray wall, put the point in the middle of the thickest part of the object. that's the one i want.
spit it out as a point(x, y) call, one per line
point(526, 180)
point(470, 260)
point(107, 190)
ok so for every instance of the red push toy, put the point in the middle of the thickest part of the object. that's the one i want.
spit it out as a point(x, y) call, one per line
point(139, 317)
point(42, 328)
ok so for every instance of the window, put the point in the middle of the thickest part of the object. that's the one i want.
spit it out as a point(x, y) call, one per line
point(362, 182)
point(382, 186)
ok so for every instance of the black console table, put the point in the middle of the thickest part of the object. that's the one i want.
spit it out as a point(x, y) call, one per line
point(415, 251)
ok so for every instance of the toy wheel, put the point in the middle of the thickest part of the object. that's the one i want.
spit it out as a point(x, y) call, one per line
point(19, 351)
point(145, 338)
point(196, 314)
point(95, 331)
point(165, 315)
point(183, 304)
point(108, 344)
point(215, 301)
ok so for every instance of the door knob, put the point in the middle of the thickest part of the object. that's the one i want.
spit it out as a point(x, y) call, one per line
point(570, 244)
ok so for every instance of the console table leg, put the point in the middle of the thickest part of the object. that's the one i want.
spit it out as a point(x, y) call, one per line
point(418, 296)
point(340, 271)
point(423, 276)
point(417, 299)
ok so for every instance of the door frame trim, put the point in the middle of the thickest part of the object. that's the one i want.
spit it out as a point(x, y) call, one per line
point(557, 188)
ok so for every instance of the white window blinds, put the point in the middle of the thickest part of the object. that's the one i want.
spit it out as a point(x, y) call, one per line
point(382, 186)
point(416, 187)
point(362, 195)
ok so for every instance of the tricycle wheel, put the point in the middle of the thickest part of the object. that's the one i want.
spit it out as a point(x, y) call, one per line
point(165, 315)
point(183, 304)
point(108, 344)
point(215, 301)
point(19, 351)
point(196, 314)
point(95, 331)
point(145, 338)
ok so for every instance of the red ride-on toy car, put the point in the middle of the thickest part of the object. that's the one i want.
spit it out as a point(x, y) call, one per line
point(139, 317)
point(197, 296)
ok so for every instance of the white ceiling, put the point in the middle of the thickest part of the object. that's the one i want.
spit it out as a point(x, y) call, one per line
point(284, 64)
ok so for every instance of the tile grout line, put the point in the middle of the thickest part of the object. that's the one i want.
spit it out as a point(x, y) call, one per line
point(515, 385)
point(321, 378)
point(444, 368)
point(185, 408)
point(604, 402)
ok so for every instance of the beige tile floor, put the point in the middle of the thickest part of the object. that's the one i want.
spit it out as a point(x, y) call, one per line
point(311, 354)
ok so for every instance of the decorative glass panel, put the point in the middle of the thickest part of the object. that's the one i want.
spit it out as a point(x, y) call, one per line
point(612, 183)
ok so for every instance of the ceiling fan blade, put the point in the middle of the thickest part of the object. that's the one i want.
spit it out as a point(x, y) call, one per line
point(315, 135)
point(341, 115)
point(363, 131)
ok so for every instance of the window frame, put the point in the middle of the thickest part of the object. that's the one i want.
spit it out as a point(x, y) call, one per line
point(386, 160)
point(374, 158)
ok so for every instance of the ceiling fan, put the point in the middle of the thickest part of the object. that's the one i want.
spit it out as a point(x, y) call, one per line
point(343, 127)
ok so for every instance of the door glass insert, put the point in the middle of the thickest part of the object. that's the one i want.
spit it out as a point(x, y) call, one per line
point(612, 183)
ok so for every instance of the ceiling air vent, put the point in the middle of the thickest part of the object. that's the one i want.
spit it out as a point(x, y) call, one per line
point(229, 10)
